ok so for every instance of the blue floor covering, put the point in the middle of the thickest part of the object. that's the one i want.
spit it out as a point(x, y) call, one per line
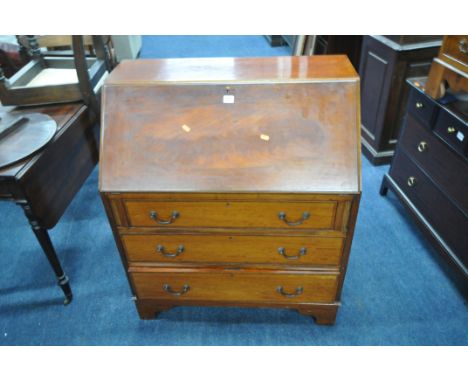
point(394, 294)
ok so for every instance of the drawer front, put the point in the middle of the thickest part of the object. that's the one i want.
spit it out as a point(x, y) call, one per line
point(422, 107)
point(235, 286)
point(452, 131)
point(449, 222)
point(313, 215)
point(298, 250)
point(444, 166)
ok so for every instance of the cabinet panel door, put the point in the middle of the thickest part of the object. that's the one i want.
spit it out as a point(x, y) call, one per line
point(376, 70)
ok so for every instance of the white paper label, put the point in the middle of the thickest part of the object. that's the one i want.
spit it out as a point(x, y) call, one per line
point(460, 136)
point(228, 98)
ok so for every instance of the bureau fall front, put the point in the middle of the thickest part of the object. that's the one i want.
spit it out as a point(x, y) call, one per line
point(233, 181)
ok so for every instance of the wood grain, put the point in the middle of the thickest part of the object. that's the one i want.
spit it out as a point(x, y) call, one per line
point(229, 69)
point(234, 249)
point(294, 137)
point(236, 286)
point(232, 214)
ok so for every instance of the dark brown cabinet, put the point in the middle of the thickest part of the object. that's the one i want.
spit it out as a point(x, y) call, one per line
point(334, 44)
point(386, 62)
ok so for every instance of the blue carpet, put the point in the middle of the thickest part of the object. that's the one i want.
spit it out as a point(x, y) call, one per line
point(394, 293)
point(209, 46)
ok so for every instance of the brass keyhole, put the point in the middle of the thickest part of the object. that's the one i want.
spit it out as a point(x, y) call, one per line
point(411, 181)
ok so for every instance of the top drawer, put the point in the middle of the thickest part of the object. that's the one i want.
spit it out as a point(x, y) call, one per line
point(453, 131)
point(422, 107)
point(236, 214)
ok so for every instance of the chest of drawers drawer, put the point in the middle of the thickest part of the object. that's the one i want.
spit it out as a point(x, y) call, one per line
point(446, 218)
point(437, 160)
point(422, 107)
point(453, 131)
point(234, 286)
point(258, 249)
point(231, 214)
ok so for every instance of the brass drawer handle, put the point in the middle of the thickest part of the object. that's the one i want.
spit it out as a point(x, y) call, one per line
point(154, 216)
point(451, 130)
point(298, 292)
point(282, 252)
point(168, 289)
point(305, 216)
point(422, 146)
point(160, 248)
point(411, 181)
point(462, 46)
point(419, 105)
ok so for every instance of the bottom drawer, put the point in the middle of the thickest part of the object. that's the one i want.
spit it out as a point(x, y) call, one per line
point(449, 222)
point(238, 286)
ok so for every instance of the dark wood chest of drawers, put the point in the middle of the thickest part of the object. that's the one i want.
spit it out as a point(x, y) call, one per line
point(233, 181)
point(429, 173)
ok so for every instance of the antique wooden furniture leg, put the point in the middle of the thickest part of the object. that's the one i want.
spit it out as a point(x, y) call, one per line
point(384, 186)
point(147, 310)
point(323, 315)
point(44, 240)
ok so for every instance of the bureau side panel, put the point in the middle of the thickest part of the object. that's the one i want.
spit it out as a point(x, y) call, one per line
point(351, 211)
point(109, 206)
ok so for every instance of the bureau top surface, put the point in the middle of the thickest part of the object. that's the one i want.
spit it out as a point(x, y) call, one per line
point(279, 124)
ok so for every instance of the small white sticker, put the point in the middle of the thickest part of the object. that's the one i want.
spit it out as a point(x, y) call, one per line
point(228, 98)
point(460, 136)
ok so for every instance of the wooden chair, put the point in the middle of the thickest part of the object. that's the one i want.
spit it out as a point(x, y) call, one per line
point(58, 77)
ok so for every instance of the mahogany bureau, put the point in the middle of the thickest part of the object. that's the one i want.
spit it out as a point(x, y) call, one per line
point(233, 181)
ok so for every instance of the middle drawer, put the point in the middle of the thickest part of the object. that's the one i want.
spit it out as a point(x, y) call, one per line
point(301, 250)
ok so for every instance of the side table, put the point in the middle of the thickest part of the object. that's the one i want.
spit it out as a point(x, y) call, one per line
point(44, 184)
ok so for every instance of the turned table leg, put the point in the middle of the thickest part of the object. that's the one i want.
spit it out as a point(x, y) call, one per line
point(44, 240)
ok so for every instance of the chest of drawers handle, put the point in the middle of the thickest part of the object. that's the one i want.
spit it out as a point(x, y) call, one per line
point(419, 105)
point(422, 146)
point(169, 290)
point(298, 292)
point(305, 216)
point(411, 182)
point(160, 248)
point(302, 252)
point(154, 216)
